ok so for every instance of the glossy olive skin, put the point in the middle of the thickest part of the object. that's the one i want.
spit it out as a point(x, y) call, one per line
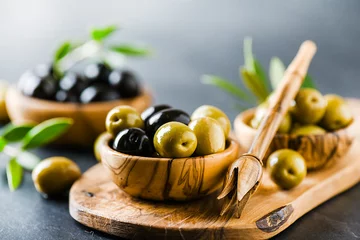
point(308, 130)
point(175, 140)
point(73, 83)
point(310, 106)
point(96, 73)
point(55, 175)
point(65, 96)
point(125, 82)
point(338, 113)
point(210, 136)
point(36, 86)
point(98, 93)
point(133, 141)
point(260, 112)
point(122, 117)
point(215, 113)
point(287, 168)
point(149, 112)
point(165, 116)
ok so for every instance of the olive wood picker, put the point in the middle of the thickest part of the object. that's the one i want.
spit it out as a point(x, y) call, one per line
point(244, 175)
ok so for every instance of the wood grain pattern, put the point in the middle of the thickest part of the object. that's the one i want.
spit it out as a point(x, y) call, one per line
point(89, 119)
point(166, 178)
point(244, 175)
point(317, 150)
point(97, 202)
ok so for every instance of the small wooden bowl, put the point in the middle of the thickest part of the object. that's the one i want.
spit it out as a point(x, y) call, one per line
point(316, 149)
point(89, 119)
point(162, 179)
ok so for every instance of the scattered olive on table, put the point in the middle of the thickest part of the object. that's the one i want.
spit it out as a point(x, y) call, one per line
point(53, 176)
point(287, 168)
point(97, 83)
point(312, 113)
point(168, 132)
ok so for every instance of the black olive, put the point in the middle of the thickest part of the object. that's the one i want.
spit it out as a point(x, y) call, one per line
point(72, 82)
point(133, 141)
point(165, 116)
point(126, 83)
point(44, 70)
point(39, 87)
point(96, 72)
point(98, 93)
point(65, 96)
point(149, 112)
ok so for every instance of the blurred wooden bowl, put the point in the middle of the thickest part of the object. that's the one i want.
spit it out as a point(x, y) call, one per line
point(318, 150)
point(163, 179)
point(89, 119)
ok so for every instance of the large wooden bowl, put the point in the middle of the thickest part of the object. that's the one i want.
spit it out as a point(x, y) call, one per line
point(89, 119)
point(318, 150)
point(162, 179)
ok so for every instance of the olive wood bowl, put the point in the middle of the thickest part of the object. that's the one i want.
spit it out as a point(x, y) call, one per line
point(89, 119)
point(317, 150)
point(161, 179)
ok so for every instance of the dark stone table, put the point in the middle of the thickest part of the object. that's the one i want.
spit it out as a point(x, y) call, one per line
point(190, 38)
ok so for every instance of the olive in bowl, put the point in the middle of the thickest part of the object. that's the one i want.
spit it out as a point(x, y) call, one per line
point(182, 160)
point(318, 144)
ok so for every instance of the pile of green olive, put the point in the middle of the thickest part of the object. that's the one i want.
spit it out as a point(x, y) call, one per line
point(311, 113)
point(162, 131)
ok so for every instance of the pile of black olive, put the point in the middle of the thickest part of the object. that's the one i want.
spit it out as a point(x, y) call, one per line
point(97, 83)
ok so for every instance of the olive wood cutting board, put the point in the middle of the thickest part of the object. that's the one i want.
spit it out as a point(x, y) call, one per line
point(98, 203)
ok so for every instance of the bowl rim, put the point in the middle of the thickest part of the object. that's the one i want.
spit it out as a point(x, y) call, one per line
point(241, 117)
point(145, 92)
point(106, 137)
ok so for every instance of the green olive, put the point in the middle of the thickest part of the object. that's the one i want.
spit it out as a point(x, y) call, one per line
point(4, 117)
point(122, 117)
point(210, 136)
point(308, 130)
point(260, 112)
point(338, 113)
point(175, 139)
point(97, 147)
point(55, 175)
point(215, 113)
point(287, 168)
point(309, 107)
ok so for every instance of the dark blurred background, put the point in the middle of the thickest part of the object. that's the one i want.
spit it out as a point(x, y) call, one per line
point(190, 38)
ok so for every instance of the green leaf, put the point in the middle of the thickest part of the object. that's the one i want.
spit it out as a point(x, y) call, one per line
point(131, 50)
point(99, 34)
point(308, 82)
point(28, 160)
point(226, 86)
point(276, 71)
point(45, 132)
point(3, 143)
point(62, 51)
point(259, 70)
point(14, 173)
point(253, 84)
point(14, 133)
point(248, 55)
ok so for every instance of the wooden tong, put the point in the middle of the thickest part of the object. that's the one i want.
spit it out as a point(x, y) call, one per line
point(244, 175)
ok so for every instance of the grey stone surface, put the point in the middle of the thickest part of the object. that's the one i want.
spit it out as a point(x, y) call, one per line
point(190, 37)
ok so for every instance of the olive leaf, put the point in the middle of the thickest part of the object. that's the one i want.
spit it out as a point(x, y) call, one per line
point(259, 70)
point(99, 34)
point(276, 71)
point(14, 133)
point(62, 51)
point(3, 143)
point(253, 84)
point(131, 50)
point(14, 173)
point(45, 132)
point(27, 160)
point(308, 82)
point(227, 86)
point(248, 55)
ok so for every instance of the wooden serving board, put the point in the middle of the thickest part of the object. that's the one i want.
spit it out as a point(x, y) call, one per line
point(98, 203)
